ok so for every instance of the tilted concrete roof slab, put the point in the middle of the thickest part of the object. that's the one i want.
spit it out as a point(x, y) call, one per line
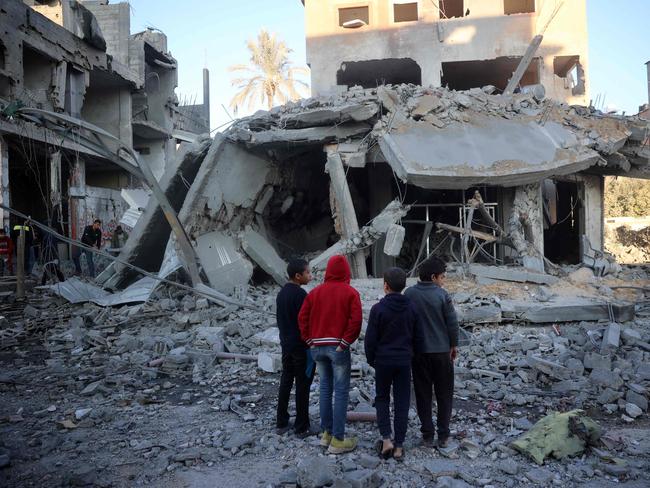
point(488, 152)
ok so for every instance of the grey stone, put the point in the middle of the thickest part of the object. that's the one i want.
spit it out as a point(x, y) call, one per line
point(552, 369)
point(630, 336)
point(263, 253)
point(237, 440)
point(314, 472)
point(509, 466)
point(449, 482)
point(639, 400)
point(363, 478)
point(608, 396)
point(369, 462)
point(643, 371)
point(348, 464)
point(539, 476)
point(594, 360)
point(288, 477)
point(633, 410)
point(611, 338)
point(602, 377)
point(31, 312)
point(92, 388)
point(523, 423)
point(575, 366)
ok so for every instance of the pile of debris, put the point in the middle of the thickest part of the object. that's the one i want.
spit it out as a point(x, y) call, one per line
point(628, 245)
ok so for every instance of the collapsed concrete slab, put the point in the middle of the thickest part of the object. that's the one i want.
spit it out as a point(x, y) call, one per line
point(511, 274)
point(260, 251)
point(145, 247)
point(567, 310)
point(497, 152)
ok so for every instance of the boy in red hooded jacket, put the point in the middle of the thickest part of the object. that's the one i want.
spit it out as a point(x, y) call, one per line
point(330, 321)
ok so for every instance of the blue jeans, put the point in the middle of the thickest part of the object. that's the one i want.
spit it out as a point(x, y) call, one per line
point(334, 372)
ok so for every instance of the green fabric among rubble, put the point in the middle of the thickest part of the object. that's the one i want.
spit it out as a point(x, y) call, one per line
point(558, 435)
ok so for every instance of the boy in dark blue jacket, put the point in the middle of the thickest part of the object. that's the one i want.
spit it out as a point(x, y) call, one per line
point(294, 351)
point(389, 344)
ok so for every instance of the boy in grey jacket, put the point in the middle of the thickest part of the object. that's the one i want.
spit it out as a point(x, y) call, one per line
point(433, 363)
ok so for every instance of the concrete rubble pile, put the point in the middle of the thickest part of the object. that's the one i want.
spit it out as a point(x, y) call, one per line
point(257, 194)
point(181, 384)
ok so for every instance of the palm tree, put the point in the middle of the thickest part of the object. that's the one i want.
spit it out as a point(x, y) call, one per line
point(270, 73)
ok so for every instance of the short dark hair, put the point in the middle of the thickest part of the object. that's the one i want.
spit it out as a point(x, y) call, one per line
point(432, 266)
point(296, 266)
point(395, 278)
point(97, 221)
point(2, 231)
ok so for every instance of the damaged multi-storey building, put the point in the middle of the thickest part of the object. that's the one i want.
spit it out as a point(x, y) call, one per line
point(497, 173)
point(80, 60)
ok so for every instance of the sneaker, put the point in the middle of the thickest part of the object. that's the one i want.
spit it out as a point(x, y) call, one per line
point(428, 441)
point(443, 442)
point(325, 439)
point(339, 447)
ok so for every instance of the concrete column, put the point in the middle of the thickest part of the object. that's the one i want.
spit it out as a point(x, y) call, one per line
point(593, 197)
point(77, 190)
point(55, 179)
point(4, 183)
point(345, 210)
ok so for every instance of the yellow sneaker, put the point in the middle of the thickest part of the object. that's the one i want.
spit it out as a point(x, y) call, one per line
point(325, 439)
point(339, 447)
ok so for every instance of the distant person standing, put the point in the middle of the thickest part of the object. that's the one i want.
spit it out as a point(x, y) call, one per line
point(118, 239)
point(29, 241)
point(92, 237)
point(6, 252)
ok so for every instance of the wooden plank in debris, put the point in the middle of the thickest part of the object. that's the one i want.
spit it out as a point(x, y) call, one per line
point(506, 273)
point(478, 234)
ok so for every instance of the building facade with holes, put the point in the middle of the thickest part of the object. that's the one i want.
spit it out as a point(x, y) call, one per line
point(456, 43)
point(79, 59)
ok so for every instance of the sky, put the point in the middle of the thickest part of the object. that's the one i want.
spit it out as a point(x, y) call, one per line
point(213, 34)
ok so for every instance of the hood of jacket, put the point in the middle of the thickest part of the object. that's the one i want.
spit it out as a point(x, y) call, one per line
point(395, 302)
point(338, 269)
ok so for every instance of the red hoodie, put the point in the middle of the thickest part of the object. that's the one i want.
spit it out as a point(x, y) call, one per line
point(331, 313)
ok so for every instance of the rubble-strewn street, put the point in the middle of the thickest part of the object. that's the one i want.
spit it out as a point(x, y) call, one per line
point(136, 395)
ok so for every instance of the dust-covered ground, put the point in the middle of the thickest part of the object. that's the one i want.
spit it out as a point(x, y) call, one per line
point(133, 396)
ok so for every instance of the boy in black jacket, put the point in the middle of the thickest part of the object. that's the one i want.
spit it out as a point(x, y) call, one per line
point(294, 351)
point(389, 342)
point(433, 364)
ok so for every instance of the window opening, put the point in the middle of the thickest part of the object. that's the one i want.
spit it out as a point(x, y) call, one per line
point(405, 11)
point(518, 6)
point(354, 17)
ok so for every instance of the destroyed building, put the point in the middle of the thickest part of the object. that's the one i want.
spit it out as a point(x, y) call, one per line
point(460, 44)
point(79, 59)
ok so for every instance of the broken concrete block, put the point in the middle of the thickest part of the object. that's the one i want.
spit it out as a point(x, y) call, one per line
point(271, 363)
point(593, 360)
point(550, 368)
point(269, 337)
point(394, 240)
point(426, 104)
point(224, 266)
point(611, 338)
point(605, 378)
point(260, 251)
point(633, 410)
point(363, 478)
point(637, 399)
point(315, 472)
point(559, 435)
point(505, 273)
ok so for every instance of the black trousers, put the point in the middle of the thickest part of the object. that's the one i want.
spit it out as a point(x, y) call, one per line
point(294, 366)
point(434, 372)
point(399, 377)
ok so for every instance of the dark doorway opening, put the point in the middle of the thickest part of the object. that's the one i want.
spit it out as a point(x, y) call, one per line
point(370, 74)
point(563, 211)
point(463, 75)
